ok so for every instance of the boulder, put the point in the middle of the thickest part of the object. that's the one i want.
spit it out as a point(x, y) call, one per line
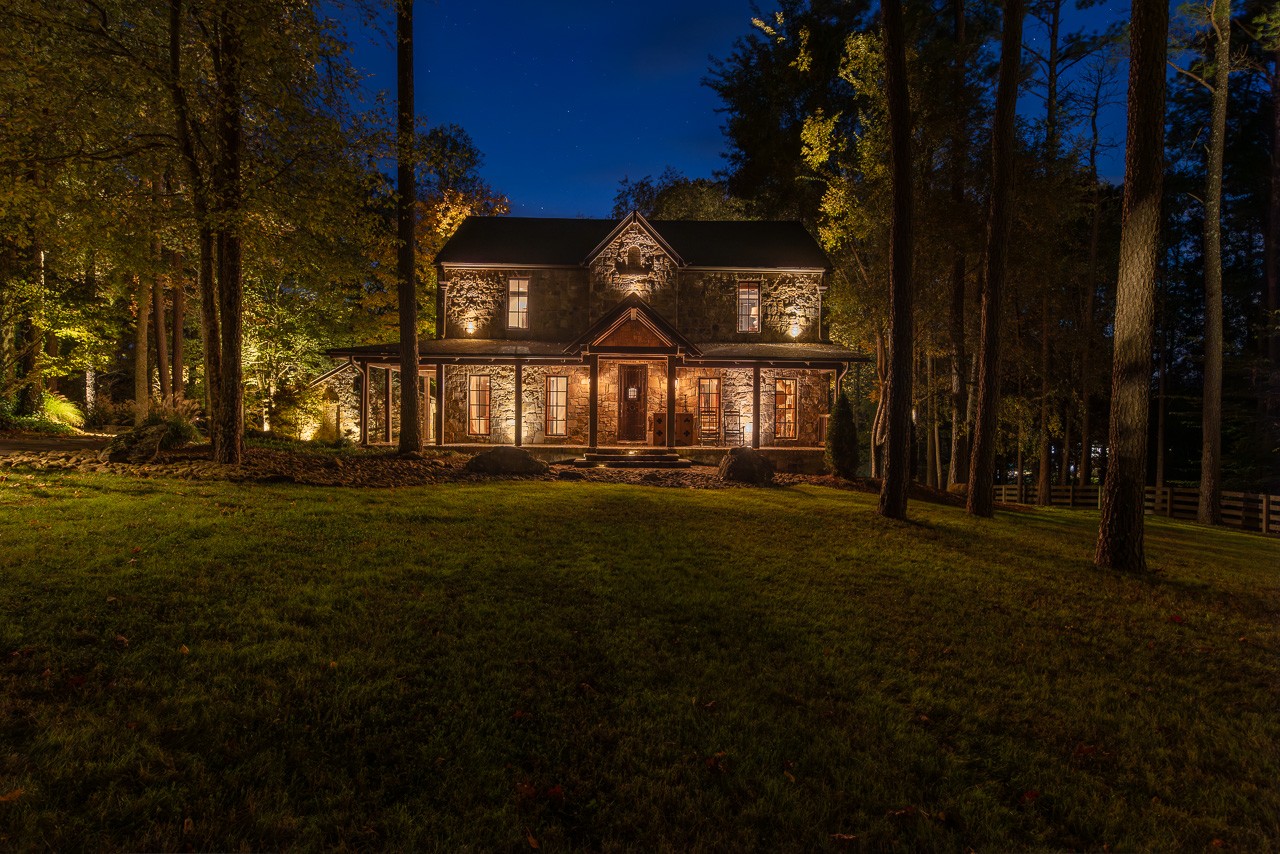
point(139, 446)
point(745, 465)
point(506, 460)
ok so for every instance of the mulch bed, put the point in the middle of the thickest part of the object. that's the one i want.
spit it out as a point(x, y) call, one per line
point(373, 470)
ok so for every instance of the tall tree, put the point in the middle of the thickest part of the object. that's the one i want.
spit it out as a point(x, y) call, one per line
point(228, 419)
point(980, 499)
point(406, 198)
point(1210, 507)
point(1120, 528)
point(897, 457)
point(959, 155)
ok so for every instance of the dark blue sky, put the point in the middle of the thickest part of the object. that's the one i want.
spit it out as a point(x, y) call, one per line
point(566, 97)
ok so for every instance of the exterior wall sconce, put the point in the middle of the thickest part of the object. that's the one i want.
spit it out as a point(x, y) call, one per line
point(794, 331)
point(471, 327)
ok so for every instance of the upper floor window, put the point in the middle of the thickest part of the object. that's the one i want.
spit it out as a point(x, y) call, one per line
point(478, 404)
point(748, 306)
point(517, 303)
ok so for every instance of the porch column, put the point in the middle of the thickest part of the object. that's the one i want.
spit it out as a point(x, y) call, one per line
point(671, 401)
point(519, 403)
point(386, 427)
point(594, 402)
point(755, 407)
point(364, 403)
point(439, 403)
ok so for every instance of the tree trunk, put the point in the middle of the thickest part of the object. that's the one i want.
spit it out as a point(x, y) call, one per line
point(406, 198)
point(228, 424)
point(1044, 476)
point(176, 389)
point(31, 346)
point(1091, 290)
point(1209, 511)
point(959, 154)
point(893, 488)
point(158, 312)
point(999, 221)
point(1271, 241)
point(1120, 529)
point(141, 367)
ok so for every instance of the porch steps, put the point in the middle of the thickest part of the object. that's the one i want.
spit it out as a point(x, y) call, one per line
point(632, 460)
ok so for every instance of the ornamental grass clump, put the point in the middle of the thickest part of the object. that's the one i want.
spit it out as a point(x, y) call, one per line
point(56, 409)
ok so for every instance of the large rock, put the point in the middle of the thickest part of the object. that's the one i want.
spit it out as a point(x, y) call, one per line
point(506, 460)
point(138, 446)
point(745, 465)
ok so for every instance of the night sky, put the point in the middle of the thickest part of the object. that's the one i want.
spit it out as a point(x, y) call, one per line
point(567, 97)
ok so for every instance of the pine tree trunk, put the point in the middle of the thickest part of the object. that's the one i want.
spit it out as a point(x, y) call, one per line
point(897, 461)
point(1209, 511)
point(956, 472)
point(406, 198)
point(176, 389)
point(1271, 242)
point(31, 346)
point(1044, 476)
point(1120, 530)
point(999, 222)
point(228, 425)
point(141, 366)
point(158, 312)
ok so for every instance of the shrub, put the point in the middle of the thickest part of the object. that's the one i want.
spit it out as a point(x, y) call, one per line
point(179, 418)
point(57, 409)
point(842, 439)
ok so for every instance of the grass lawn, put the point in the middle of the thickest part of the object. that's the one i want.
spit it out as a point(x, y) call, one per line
point(568, 665)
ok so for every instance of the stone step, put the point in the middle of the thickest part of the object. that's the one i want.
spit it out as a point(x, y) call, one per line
point(606, 456)
point(633, 463)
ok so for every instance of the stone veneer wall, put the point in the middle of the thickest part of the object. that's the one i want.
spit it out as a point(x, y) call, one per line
point(534, 403)
point(655, 395)
point(557, 304)
point(502, 404)
point(735, 393)
point(709, 306)
point(614, 277)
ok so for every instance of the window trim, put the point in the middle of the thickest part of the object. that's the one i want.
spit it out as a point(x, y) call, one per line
point(749, 293)
point(552, 406)
point(519, 311)
point(474, 406)
point(793, 431)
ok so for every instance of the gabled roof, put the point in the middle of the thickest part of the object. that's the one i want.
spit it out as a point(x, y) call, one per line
point(634, 218)
point(632, 310)
point(541, 241)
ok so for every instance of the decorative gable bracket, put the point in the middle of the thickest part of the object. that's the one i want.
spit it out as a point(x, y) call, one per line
point(632, 326)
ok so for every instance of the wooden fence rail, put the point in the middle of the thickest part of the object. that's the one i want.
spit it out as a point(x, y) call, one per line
point(1248, 511)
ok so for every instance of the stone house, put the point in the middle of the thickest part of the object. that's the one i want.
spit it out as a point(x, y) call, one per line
point(589, 333)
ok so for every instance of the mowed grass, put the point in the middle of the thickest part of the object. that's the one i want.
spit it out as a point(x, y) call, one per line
point(575, 666)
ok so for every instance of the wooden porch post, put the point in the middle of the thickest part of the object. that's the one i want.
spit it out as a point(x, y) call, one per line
point(755, 407)
point(671, 401)
point(594, 403)
point(364, 403)
point(519, 403)
point(386, 427)
point(439, 403)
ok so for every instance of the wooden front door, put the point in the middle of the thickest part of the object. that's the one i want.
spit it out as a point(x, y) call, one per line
point(631, 402)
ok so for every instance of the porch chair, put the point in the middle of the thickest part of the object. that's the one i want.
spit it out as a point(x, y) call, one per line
point(708, 427)
point(734, 434)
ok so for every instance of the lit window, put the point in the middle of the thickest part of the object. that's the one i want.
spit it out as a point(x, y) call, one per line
point(709, 407)
point(478, 404)
point(749, 307)
point(557, 406)
point(517, 303)
point(784, 403)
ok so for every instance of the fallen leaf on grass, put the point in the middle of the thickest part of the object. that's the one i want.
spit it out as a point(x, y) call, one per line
point(188, 827)
point(521, 715)
point(183, 649)
point(1218, 843)
point(1177, 618)
point(533, 841)
point(10, 796)
point(122, 640)
point(844, 837)
point(1029, 796)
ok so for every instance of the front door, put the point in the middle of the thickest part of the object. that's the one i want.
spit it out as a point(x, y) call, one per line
point(631, 404)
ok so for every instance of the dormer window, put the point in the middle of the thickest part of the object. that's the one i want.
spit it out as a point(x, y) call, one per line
point(748, 306)
point(518, 303)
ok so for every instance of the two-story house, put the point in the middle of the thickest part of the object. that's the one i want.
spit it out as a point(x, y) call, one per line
point(591, 333)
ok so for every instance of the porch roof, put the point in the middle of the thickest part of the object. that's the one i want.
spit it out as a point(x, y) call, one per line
point(501, 348)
